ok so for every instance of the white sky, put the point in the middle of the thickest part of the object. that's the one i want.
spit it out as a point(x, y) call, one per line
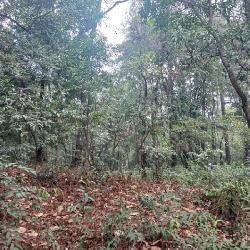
point(112, 26)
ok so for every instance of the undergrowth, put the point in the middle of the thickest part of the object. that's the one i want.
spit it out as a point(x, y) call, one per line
point(224, 191)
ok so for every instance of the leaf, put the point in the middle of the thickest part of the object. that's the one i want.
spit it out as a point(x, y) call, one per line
point(188, 210)
point(60, 209)
point(70, 221)
point(21, 230)
point(134, 214)
point(39, 215)
point(54, 228)
point(33, 234)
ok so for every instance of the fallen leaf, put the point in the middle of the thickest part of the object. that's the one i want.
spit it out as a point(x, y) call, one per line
point(118, 233)
point(71, 221)
point(21, 230)
point(155, 248)
point(134, 214)
point(60, 209)
point(33, 233)
point(188, 210)
point(54, 228)
point(39, 215)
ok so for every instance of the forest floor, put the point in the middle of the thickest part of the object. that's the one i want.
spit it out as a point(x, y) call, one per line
point(69, 212)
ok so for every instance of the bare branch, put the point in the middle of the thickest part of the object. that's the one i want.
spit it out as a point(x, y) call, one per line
point(113, 6)
point(14, 21)
point(28, 28)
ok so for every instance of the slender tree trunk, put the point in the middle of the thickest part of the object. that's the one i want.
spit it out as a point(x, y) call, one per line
point(154, 126)
point(213, 127)
point(81, 155)
point(77, 156)
point(57, 155)
point(229, 69)
point(225, 131)
point(247, 148)
point(143, 134)
point(247, 10)
point(243, 97)
point(210, 12)
point(143, 161)
point(42, 88)
point(41, 154)
point(247, 145)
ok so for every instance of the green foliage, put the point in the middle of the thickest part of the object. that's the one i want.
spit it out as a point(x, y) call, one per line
point(50, 239)
point(86, 203)
point(43, 194)
point(227, 201)
point(9, 204)
point(147, 201)
point(172, 102)
point(169, 195)
point(12, 239)
point(113, 231)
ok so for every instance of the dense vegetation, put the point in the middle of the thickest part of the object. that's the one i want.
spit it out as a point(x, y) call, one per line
point(166, 127)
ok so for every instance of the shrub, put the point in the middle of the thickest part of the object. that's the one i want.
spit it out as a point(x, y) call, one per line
point(227, 202)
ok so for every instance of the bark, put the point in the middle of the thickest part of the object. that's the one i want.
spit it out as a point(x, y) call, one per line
point(168, 84)
point(77, 159)
point(58, 155)
point(42, 88)
point(210, 12)
point(247, 10)
point(213, 132)
point(41, 156)
point(143, 161)
point(225, 131)
point(142, 151)
point(247, 148)
point(243, 97)
point(145, 86)
point(154, 136)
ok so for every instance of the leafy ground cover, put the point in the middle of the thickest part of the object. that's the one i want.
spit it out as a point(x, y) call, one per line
point(75, 210)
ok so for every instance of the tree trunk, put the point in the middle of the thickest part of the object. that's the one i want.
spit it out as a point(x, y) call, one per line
point(142, 150)
point(247, 10)
point(225, 131)
point(57, 156)
point(228, 67)
point(41, 156)
point(143, 161)
point(247, 149)
point(243, 97)
point(77, 157)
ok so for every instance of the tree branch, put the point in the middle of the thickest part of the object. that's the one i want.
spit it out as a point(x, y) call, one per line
point(28, 28)
point(226, 63)
point(14, 21)
point(38, 17)
point(113, 6)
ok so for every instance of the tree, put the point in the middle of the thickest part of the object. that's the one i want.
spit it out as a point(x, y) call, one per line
point(223, 29)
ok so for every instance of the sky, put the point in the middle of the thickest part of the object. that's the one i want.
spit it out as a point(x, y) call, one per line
point(112, 26)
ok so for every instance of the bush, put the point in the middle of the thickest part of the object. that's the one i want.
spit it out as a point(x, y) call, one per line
point(227, 201)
